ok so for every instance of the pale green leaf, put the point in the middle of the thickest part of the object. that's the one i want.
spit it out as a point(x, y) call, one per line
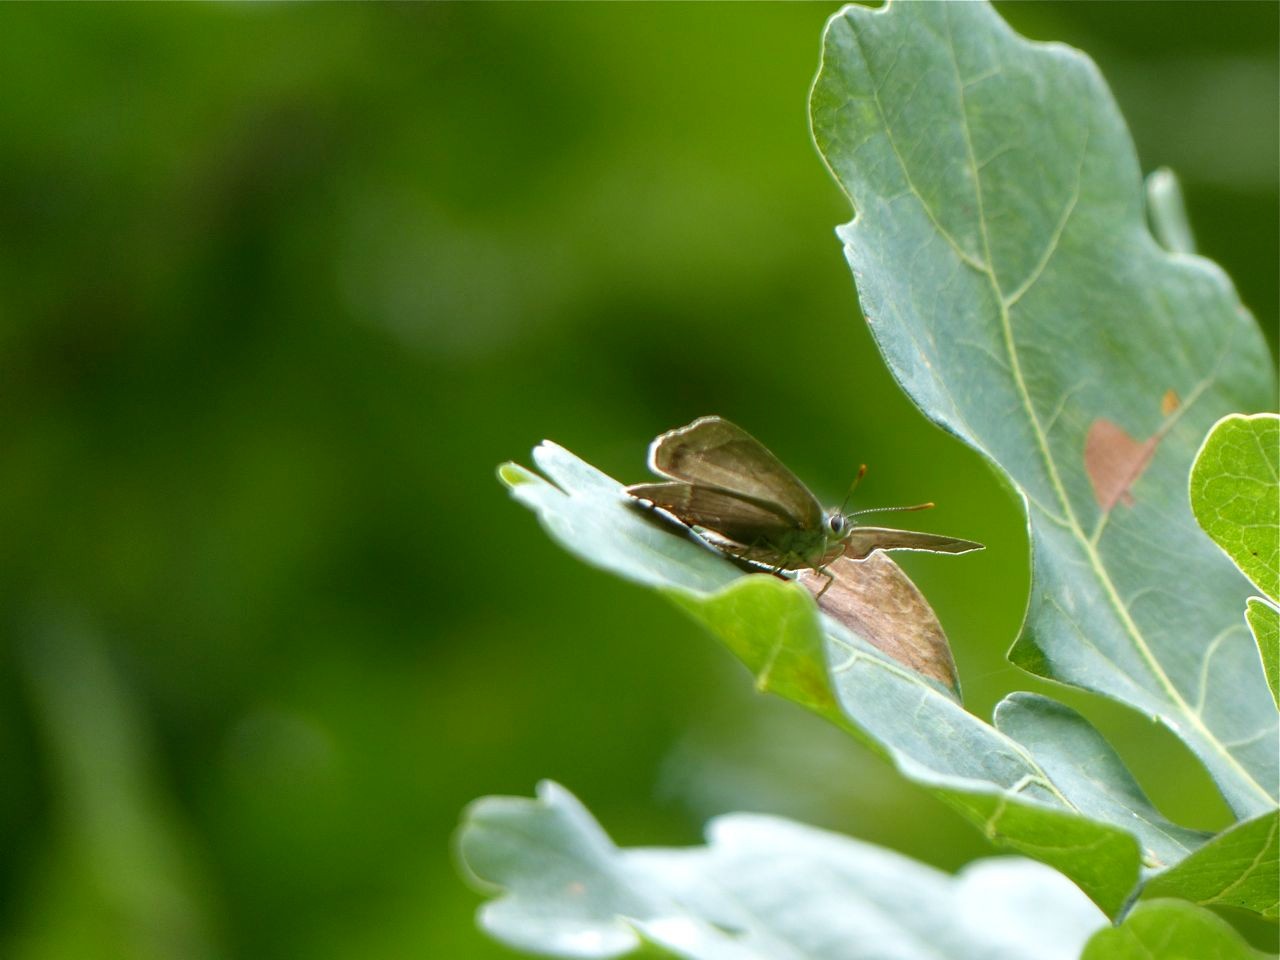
point(762, 888)
point(1041, 781)
point(1008, 276)
point(1084, 767)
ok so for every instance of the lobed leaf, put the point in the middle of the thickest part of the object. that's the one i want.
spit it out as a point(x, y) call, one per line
point(1041, 781)
point(1009, 279)
point(1017, 295)
point(763, 888)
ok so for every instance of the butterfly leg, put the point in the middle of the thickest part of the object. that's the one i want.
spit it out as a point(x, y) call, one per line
point(830, 580)
point(823, 569)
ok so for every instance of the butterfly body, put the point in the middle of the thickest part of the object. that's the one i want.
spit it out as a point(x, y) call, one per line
point(748, 504)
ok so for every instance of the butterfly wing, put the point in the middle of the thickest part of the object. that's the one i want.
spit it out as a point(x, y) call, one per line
point(735, 517)
point(712, 452)
point(863, 541)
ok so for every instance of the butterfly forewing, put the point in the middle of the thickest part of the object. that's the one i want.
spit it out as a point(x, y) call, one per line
point(736, 517)
point(863, 541)
point(712, 452)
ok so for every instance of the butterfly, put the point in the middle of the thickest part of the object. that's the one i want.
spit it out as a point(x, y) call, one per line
point(749, 505)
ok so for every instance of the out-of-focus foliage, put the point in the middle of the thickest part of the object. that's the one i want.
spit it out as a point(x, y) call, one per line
point(281, 284)
point(761, 887)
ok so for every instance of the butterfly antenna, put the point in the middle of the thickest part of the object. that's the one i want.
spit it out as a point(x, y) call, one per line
point(862, 472)
point(917, 506)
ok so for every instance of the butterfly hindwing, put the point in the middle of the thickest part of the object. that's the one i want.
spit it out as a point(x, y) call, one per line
point(735, 517)
point(713, 452)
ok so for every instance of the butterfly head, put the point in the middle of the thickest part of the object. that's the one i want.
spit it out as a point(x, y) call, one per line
point(836, 524)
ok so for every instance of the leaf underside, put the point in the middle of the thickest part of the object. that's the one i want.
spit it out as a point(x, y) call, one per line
point(763, 888)
point(1040, 781)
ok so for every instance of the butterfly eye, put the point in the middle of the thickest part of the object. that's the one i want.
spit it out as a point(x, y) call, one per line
point(836, 523)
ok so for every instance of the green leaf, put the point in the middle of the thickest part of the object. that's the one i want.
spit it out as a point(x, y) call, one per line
point(1170, 930)
point(762, 888)
point(1237, 868)
point(1041, 781)
point(1235, 493)
point(1264, 622)
point(1084, 767)
point(1007, 274)
point(1112, 607)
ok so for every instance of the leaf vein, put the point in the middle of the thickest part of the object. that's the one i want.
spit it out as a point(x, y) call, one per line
point(1249, 870)
point(1055, 238)
point(1202, 691)
point(1091, 553)
point(906, 172)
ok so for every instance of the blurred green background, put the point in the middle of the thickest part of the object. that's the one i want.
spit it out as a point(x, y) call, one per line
point(282, 285)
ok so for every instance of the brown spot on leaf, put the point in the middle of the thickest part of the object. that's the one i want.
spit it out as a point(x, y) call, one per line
point(1169, 402)
point(879, 603)
point(1114, 462)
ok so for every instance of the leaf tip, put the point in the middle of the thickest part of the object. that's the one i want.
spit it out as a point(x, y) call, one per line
point(512, 475)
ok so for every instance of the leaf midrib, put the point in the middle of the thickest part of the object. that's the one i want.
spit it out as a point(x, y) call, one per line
point(1095, 560)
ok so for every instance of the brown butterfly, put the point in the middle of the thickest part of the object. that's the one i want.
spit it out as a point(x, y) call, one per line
point(748, 504)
